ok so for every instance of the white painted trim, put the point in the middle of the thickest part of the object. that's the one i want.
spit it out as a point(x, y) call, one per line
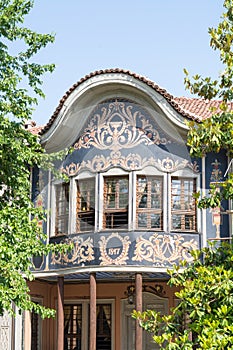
point(53, 210)
point(203, 211)
point(130, 200)
point(100, 199)
point(166, 202)
point(134, 200)
point(169, 191)
point(72, 206)
point(88, 269)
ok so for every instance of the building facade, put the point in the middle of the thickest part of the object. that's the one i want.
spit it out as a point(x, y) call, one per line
point(127, 207)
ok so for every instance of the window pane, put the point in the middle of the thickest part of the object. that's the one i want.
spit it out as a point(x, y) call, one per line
point(155, 221)
point(116, 195)
point(176, 222)
point(85, 205)
point(142, 220)
point(72, 327)
point(149, 202)
point(183, 204)
point(62, 208)
point(103, 327)
point(156, 193)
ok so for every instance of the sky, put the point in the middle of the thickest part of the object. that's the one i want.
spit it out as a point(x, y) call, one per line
point(153, 38)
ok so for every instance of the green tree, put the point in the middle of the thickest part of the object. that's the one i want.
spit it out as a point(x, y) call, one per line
point(203, 318)
point(21, 237)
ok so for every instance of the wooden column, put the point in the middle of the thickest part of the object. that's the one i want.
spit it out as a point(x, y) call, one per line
point(92, 340)
point(138, 305)
point(60, 313)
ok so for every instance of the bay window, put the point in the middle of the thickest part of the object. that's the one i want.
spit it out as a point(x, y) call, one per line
point(126, 202)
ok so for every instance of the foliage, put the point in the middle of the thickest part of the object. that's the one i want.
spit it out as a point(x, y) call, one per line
point(20, 235)
point(203, 319)
point(216, 133)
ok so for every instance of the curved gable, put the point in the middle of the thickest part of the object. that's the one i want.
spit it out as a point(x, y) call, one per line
point(77, 104)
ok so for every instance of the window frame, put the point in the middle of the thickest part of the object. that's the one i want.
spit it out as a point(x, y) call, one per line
point(189, 175)
point(56, 185)
point(84, 179)
point(39, 329)
point(148, 209)
point(85, 318)
point(149, 171)
point(117, 172)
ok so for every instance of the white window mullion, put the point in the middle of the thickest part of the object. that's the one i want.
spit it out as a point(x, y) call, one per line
point(97, 201)
point(131, 201)
point(72, 206)
point(133, 222)
point(167, 204)
point(100, 199)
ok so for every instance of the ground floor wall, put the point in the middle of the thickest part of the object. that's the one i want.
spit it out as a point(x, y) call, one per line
point(116, 294)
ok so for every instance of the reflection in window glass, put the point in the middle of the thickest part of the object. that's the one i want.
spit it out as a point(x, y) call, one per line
point(116, 194)
point(183, 208)
point(85, 205)
point(62, 208)
point(103, 327)
point(149, 202)
point(72, 327)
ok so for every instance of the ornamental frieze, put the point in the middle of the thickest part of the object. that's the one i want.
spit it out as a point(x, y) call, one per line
point(119, 125)
point(114, 249)
point(162, 249)
point(82, 251)
point(125, 249)
point(131, 162)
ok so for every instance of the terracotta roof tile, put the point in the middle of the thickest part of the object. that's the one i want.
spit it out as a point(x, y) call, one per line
point(199, 107)
point(35, 130)
point(191, 108)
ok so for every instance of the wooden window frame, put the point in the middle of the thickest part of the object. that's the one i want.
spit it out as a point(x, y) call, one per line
point(85, 209)
point(85, 306)
point(116, 217)
point(71, 336)
point(148, 209)
point(62, 208)
point(186, 214)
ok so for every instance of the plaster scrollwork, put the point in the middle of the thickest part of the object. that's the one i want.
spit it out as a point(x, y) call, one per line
point(163, 249)
point(114, 249)
point(82, 251)
point(116, 125)
point(132, 161)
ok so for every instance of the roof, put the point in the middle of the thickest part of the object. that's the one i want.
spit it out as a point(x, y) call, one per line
point(191, 108)
point(199, 107)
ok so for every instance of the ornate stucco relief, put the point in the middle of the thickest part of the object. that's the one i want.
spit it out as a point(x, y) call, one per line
point(114, 249)
point(132, 161)
point(119, 125)
point(81, 252)
point(162, 249)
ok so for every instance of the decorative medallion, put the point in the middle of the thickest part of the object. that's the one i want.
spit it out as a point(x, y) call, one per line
point(81, 252)
point(163, 249)
point(114, 249)
point(119, 125)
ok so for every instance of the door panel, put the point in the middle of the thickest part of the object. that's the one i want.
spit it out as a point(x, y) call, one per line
point(150, 301)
